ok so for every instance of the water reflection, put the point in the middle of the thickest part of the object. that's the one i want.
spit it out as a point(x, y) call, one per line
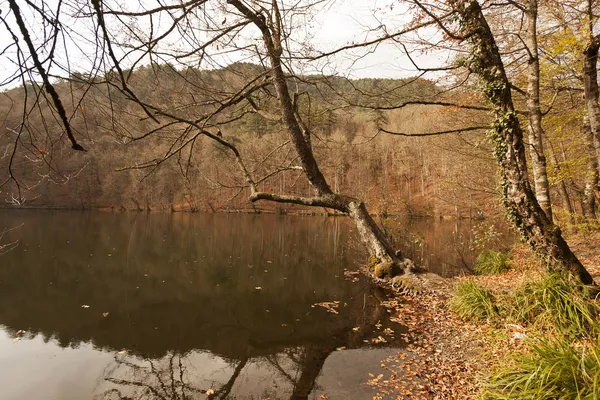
point(182, 306)
point(448, 248)
point(287, 373)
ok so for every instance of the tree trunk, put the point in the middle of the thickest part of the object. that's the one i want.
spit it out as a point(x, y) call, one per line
point(376, 242)
point(590, 88)
point(536, 133)
point(519, 200)
point(562, 187)
point(591, 179)
point(592, 130)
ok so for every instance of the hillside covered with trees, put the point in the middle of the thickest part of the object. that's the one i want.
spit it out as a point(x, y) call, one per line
point(422, 176)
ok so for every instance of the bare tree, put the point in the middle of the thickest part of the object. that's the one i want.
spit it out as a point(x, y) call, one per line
point(263, 31)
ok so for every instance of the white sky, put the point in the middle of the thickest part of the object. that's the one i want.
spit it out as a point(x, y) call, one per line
point(338, 23)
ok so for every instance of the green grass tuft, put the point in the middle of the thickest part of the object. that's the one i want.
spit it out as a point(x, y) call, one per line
point(563, 360)
point(491, 262)
point(556, 304)
point(554, 369)
point(473, 302)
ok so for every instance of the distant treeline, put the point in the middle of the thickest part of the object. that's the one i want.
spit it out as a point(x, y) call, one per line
point(432, 175)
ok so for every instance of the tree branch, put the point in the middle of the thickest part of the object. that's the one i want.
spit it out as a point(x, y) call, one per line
point(41, 70)
point(471, 128)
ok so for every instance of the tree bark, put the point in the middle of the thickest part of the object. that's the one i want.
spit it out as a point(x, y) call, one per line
point(592, 125)
point(519, 200)
point(591, 179)
point(536, 132)
point(590, 83)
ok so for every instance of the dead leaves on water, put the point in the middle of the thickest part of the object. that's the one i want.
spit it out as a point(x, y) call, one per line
point(330, 306)
point(352, 276)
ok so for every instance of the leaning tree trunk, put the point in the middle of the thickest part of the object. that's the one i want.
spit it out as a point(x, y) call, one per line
point(536, 133)
point(519, 200)
point(377, 243)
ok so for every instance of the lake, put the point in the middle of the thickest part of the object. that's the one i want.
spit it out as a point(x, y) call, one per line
point(98, 305)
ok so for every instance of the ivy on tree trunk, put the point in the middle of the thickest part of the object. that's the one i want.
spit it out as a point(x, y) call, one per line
point(523, 209)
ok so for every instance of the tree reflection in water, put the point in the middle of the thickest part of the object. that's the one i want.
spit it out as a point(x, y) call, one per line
point(292, 372)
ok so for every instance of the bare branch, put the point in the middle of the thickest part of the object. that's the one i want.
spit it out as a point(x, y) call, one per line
point(471, 128)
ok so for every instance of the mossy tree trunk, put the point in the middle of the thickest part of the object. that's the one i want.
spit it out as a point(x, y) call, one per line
point(518, 197)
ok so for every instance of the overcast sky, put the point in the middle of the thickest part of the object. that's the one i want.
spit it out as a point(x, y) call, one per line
point(336, 23)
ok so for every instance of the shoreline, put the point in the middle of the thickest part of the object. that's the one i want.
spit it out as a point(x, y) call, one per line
point(449, 358)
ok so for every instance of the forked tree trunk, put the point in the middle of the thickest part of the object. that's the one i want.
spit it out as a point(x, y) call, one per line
point(519, 200)
point(536, 132)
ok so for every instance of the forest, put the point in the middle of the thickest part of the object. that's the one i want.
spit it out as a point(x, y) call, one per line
point(418, 176)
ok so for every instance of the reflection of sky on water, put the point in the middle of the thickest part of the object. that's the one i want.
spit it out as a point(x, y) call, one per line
point(35, 369)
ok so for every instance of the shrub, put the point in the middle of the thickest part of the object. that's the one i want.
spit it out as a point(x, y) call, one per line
point(473, 302)
point(491, 262)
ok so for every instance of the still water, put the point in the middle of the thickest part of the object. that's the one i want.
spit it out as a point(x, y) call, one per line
point(190, 306)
